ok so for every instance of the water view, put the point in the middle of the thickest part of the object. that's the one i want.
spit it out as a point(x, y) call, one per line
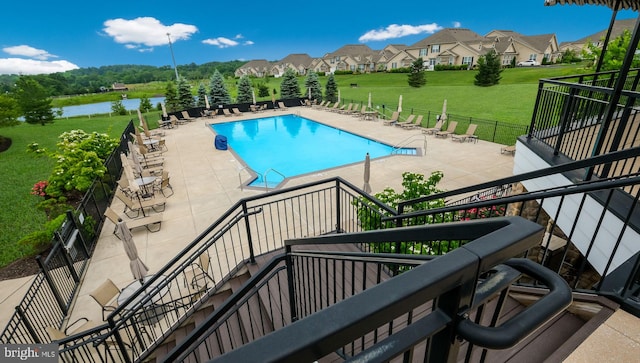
point(104, 107)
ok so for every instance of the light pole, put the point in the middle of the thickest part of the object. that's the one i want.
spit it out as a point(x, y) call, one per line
point(175, 67)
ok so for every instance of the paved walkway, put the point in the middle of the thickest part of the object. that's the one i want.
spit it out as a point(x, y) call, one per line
point(206, 183)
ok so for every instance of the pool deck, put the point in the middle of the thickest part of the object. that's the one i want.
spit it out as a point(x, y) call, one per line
point(206, 183)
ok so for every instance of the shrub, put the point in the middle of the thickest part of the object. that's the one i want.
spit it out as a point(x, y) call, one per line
point(39, 188)
point(400, 70)
point(39, 241)
point(342, 72)
point(35, 148)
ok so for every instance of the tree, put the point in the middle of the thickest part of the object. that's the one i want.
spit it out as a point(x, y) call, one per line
point(244, 90)
point(616, 51)
point(185, 97)
point(33, 101)
point(145, 104)
point(312, 82)
point(218, 90)
point(488, 70)
point(9, 111)
point(331, 89)
point(118, 108)
point(289, 88)
point(417, 77)
point(263, 90)
point(202, 92)
point(171, 98)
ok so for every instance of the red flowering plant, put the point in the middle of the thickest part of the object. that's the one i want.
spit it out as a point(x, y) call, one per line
point(39, 188)
point(482, 212)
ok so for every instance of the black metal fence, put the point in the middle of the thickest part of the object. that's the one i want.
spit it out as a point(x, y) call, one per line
point(50, 295)
point(424, 303)
point(581, 116)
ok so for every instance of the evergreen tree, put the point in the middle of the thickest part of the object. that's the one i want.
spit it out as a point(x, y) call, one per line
point(118, 108)
point(171, 98)
point(218, 90)
point(331, 89)
point(488, 70)
point(185, 97)
point(9, 111)
point(417, 77)
point(263, 90)
point(202, 92)
point(244, 90)
point(33, 101)
point(289, 88)
point(145, 104)
point(313, 82)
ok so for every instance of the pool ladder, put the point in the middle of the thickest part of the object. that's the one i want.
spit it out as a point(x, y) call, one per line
point(397, 149)
point(264, 176)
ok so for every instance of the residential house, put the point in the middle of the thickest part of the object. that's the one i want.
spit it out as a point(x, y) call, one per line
point(597, 39)
point(119, 87)
point(542, 48)
point(438, 48)
point(300, 63)
point(257, 68)
point(352, 57)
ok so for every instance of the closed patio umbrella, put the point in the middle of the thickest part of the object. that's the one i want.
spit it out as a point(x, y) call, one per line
point(137, 168)
point(338, 95)
point(367, 174)
point(206, 102)
point(138, 268)
point(443, 117)
point(400, 104)
point(164, 110)
point(369, 103)
point(253, 96)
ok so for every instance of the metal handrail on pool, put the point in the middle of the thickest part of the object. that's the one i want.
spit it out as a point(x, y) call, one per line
point(406, 142)
point(264, 176)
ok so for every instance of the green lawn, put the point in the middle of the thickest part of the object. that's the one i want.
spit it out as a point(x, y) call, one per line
point(511, 101)
point(20, 170)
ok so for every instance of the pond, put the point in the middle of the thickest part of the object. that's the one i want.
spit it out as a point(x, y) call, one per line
point(104, 107)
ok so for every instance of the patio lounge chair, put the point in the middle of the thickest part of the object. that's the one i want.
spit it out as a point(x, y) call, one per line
point(450, 130)
point(152, 219)
point(185, 116)
point(469, 134)
point(347, 110)
point(157, 203)
point(226, 112)
point(413, 125)
point(178, 121)
point(409, 120)
point(392, 120)
point(436, 128)
point(236, 112)
point(281, 106)
point(106, 295)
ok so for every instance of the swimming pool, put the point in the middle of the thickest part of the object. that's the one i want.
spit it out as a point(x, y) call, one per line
point(289, 145)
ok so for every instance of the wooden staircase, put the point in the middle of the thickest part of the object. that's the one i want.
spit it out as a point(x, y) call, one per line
point(553, 342)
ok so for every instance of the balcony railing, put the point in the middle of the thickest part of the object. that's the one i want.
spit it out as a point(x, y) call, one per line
point(427, 305)
point(582, 116)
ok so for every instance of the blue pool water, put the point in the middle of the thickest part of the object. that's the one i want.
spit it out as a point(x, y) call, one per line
point(292, 145)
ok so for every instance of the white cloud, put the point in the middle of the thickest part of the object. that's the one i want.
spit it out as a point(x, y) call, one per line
point(249, 42)
point(397, 31)
point(27, 51)
point(221, 42)
point(32, 66)
point(457, 24)
point(146, 31)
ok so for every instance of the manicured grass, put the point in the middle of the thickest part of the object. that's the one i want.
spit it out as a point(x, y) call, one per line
point(21, 170)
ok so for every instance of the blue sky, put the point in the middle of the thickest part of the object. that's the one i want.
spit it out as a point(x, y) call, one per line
point(44, 36)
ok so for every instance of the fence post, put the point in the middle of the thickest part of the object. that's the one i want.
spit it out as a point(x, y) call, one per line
point(495, 129)
point(27, 325)
point(252, 256)
point(338, 209)
point(52, 286)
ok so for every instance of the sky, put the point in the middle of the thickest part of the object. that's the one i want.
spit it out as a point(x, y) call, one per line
point(46, 37)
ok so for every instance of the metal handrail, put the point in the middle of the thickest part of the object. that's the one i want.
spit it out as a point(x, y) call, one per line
point(264, 176)
point(406, 142)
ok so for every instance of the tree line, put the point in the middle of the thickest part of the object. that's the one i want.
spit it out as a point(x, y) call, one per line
point(94, 80)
